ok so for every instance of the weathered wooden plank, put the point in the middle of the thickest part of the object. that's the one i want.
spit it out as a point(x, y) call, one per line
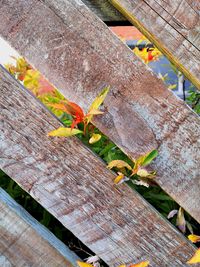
point(104, 10)
point(25, 242)
point(140, 113)
point(74, 185)
point(173, 26)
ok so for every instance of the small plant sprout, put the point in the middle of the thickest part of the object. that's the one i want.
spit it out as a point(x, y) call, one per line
point(127, 172)
point(78, 116)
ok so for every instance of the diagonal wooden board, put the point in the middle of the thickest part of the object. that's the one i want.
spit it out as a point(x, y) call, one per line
point(79, 54)
point(74, 185)
point(25, 242)
point(173, 26)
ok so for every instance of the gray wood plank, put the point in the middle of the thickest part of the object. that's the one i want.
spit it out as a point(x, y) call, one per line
point(73, 184)
point(104, 10)
point(25, 242)
point(173, 26)
point(140, 113)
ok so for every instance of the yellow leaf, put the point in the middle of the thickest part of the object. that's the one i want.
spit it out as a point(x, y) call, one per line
point(97, 103)
point(141, 264)
point(123, 265)
point(84, 264)
point(194, 238)
point(94, 138)
point(63, 131)
point(99, 99)
point(119, 164)
point(119, 178)
point(195, 258)
point(95, 112)
point(172, 86)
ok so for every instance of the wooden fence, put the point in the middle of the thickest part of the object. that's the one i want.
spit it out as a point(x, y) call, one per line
point(78, 53)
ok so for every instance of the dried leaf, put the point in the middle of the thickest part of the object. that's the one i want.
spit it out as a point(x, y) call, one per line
point(119, 164)
point(94, 138)
point(180, 222)
point(140, 182)
point(63, 131)
point(84, 264)
point(172, 214)
point(194, 238)
point(195, 258)
point(93, 259)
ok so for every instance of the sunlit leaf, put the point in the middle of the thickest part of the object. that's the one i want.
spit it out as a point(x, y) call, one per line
point(123, 265)
point(180, 222)
point(63, 131)
point(94, 138)
point(84, 264)
point(141, 182)
point(194, 238)
point(119, 164)
point(149, 157)
point(195, 258)
point(120, 178)
point(58, 106)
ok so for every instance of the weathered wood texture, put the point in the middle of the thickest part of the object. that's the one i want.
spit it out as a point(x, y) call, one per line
point(104, 10)
point(74, 185)
point(79, 54)
point(25, 242)
point(174, 26)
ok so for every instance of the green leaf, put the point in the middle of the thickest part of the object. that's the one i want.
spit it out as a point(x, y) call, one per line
point(148, 159)
point(63, 131)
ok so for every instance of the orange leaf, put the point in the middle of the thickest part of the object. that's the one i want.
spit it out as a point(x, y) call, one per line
point(195, 258)
point(58, 106)
point(74, 109)
point(141, 264)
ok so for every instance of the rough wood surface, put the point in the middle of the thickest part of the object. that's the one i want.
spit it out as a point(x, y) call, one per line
point(104, 10)
point(74, 185)
point(25, 242)
point(173, 25)
point(79, 54)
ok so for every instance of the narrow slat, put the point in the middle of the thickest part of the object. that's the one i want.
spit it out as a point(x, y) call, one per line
point(174, 27)
point(25, 242)
point(79, 54)
point(74, 185)
point(104, 10)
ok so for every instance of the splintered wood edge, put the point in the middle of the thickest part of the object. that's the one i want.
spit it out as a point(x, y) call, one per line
point(108, 221)
point(155, 41)
point(22, 217)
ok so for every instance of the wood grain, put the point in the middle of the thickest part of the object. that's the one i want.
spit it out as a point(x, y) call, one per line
point(104, 10)
point(173, 26)
point(25, 242)
point(74, 185)
point(80, 55)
